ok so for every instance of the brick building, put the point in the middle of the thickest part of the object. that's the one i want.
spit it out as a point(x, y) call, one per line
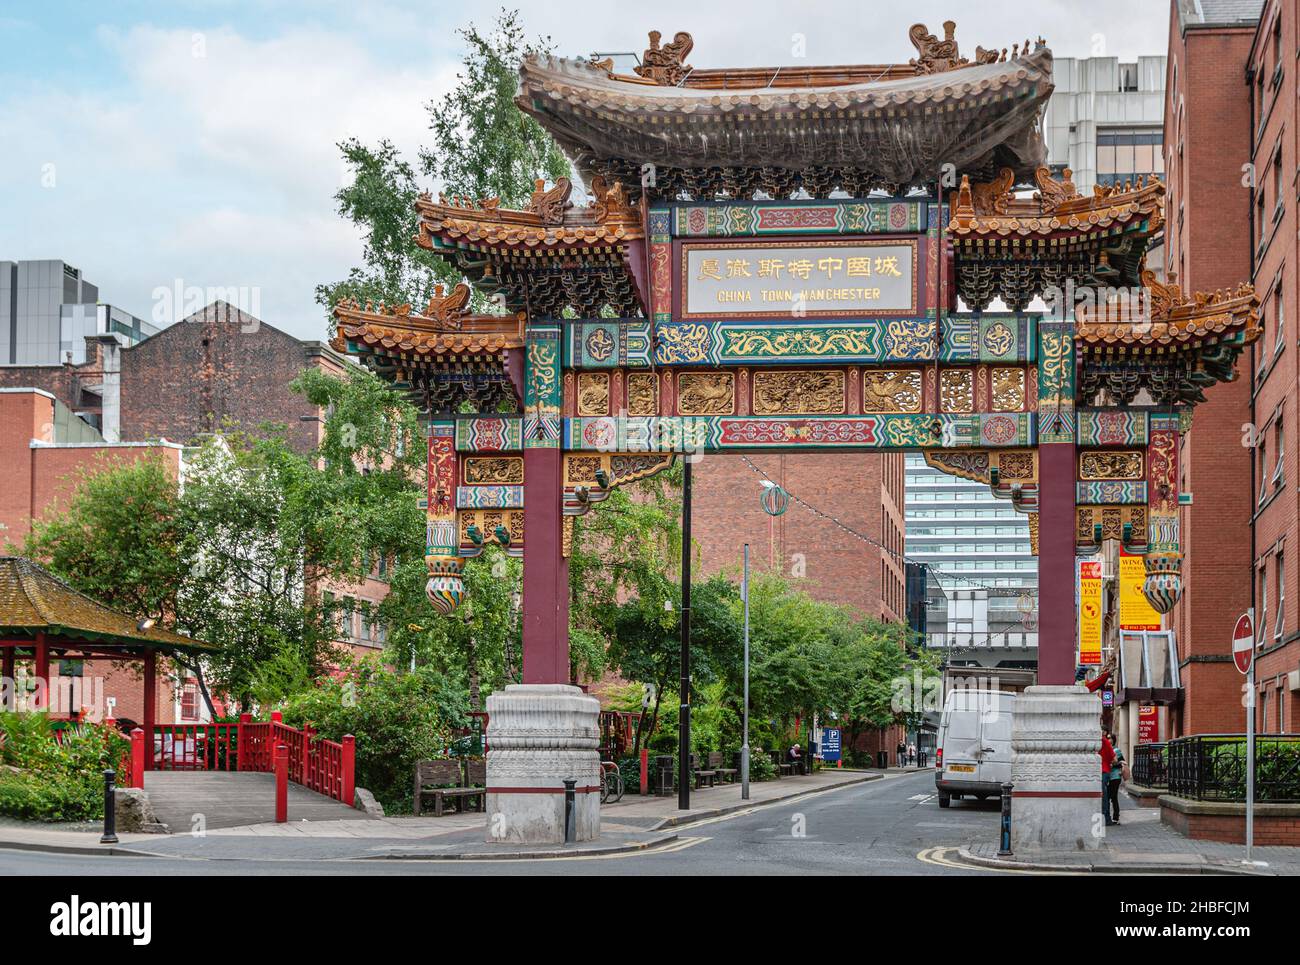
point(217, 369)
point(1208, 246)
point(862, 491)
point(44, 448)
point(1270, 72)
point(812, 553)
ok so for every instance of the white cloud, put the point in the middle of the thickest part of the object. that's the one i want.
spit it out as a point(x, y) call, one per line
point(209, 153)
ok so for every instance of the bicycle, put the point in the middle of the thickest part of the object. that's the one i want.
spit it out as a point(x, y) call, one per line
point(611, 783)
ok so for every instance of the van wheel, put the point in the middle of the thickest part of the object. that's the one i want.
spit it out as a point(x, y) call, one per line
point(944, 800)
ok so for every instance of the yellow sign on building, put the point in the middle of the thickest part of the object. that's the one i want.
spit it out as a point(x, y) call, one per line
point(1089, 613)
point(1135, 611)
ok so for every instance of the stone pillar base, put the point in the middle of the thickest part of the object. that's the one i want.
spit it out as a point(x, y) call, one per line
point(1056, 803)
point(539, 736)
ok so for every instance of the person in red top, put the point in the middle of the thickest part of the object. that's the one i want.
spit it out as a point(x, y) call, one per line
point(1107, 762)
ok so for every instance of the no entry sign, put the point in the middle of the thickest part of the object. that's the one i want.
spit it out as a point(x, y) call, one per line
point(1243, 641)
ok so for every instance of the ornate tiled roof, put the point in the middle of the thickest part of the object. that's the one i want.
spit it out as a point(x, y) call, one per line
point(33, 599)
point(551, 220)
point(890, 125)
point(445, 330)
point(992, 209)
point(1170, 321)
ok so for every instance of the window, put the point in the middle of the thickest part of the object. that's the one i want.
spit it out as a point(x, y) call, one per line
point(1278, 317)
point(1263, 601)
point(1127, 154)
point(1281, 599)
point(1128, 77)
point(190, 700)
point(1278, 204)
point(1279, 475)
point(1263, 469)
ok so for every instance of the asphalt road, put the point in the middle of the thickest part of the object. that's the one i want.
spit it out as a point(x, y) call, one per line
point(889, 827)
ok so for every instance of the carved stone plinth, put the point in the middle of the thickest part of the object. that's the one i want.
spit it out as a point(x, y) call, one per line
point(540, 735)
point(1056, 804)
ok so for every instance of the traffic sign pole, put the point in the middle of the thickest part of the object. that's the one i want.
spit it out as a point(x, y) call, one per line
point(1243, 655)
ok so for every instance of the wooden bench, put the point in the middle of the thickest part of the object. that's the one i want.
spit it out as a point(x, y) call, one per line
point(715, 765)
point(783, 768)
point(703, 775)
point(446, 779)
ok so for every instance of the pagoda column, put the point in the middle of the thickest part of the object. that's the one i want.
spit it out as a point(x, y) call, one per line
point(544, 732)
point(546, 570)
point(1056, 727)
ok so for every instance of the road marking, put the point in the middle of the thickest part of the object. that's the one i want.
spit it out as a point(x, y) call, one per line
point(939, 856)
point(922, 797)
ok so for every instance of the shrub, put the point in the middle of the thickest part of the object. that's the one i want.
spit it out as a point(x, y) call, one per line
point(55, 781)
point(396, 718)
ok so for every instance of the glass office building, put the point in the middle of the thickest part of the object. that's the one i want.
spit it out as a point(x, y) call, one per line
point(982, 581)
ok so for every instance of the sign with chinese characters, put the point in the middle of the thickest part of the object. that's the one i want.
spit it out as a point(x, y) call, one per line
point(1135, 610)
point(794, 280)
point(1089, 613)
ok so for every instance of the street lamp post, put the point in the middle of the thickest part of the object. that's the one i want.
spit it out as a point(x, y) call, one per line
point(684, 688)
point(744, 746)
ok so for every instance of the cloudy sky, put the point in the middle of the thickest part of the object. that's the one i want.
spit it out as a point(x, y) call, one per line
point(193, 143)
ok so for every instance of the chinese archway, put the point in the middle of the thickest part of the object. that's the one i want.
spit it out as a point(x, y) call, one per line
point(803, 259)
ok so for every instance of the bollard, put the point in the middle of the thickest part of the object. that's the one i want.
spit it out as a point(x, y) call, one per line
point(1005, 849)
point(281, 783)
point(645, 772)
point(110, 809)
point(570, 809)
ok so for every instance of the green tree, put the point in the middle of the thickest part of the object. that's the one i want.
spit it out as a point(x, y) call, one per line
point(238, 556)
point(483, 147)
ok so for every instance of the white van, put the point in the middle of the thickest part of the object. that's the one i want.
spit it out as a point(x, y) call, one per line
point(973, 752)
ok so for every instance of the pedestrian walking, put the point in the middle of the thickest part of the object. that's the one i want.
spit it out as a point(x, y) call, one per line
point(1107, 762)
point(902, 754)
point(911, 753)
point(1117, 768)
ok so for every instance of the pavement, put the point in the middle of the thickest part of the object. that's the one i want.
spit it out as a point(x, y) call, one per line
point(326, 831)
point(888, 824)
point(1142, 844)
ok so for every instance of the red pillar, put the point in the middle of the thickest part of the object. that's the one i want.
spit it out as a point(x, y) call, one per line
point(1057, 618)
point(137, 757)
point(42, 661)
point(281, 783)
point(150, 705)
point(349, 769)
point(8, 676)
point(546, 571)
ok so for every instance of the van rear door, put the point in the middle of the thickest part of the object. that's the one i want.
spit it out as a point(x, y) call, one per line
point(961, 745)
point(995, 739)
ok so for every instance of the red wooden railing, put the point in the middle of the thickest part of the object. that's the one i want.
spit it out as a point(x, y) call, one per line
point(325, 766)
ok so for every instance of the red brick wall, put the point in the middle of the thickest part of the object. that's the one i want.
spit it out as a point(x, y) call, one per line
point(217, 367)
point(1208, 247)
point(1269, 830)
point(863, 490)
point(1278, 260)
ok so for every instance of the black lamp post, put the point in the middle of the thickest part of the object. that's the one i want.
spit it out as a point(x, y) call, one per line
point(684, 709)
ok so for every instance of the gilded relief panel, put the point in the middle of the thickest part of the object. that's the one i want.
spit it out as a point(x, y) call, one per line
point(706, 393)
point(957, 390)
point(593, 393)
point(891, 390)
point(817, 392)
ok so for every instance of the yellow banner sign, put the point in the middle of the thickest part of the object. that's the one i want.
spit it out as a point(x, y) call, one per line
point(1135, 611)
point(1089, 613)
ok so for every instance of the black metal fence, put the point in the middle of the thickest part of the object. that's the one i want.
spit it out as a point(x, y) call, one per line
point(1149, 766)
point(1212, 767)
